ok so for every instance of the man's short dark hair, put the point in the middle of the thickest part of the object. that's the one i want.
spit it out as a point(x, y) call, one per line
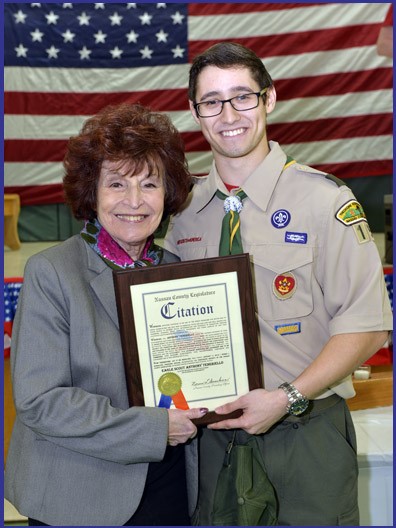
point(228, 55)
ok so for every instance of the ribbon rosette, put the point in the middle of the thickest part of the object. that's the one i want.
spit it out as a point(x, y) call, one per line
point(170, 385)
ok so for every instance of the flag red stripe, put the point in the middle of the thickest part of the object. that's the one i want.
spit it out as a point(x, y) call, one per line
point(301, 42)
point(34, 150)
point(358, 169)
point(329, 129)
point(38, 194)
point(50, 103)
point(40, 150)
point(58, 103)
point(334, 84)
point(233, 9)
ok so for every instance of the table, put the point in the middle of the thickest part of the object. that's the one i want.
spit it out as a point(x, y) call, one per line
point(374, 431)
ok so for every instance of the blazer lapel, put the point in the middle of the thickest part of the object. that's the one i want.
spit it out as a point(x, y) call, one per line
point(102, 284)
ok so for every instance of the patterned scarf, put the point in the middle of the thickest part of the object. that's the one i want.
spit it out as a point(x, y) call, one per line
point(96, 236)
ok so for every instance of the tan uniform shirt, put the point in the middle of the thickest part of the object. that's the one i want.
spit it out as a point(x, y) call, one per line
point(317, 271)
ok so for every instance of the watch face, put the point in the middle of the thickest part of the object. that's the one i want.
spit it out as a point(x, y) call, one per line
point(298, 407)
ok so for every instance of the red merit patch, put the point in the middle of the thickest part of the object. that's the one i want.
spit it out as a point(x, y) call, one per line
point(284, 286)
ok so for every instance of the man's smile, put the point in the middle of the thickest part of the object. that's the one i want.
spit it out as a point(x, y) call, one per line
point(232, 133)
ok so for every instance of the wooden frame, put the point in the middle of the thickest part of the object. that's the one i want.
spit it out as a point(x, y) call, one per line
point(143, 294)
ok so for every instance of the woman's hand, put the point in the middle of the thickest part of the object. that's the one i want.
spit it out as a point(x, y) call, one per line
point(181, 428)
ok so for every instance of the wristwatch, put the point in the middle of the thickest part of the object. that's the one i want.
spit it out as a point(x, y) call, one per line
point(297, 402)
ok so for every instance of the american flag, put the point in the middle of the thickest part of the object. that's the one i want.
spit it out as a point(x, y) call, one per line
point(64, 62)
point(12, 288)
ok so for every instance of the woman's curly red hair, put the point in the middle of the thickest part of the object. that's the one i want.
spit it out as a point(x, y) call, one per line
point(125, 133)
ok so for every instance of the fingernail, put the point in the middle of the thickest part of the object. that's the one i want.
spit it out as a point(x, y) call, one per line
point(204, 410)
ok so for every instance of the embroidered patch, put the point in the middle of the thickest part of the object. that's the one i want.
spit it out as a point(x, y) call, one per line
point(285, 329)
point(185, 240)
point(280, 218)
point(296, 238)
point(284, 286)
point(362, 232)
point(350, 213)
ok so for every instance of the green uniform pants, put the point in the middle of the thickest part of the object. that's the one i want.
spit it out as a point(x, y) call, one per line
point(310, 460)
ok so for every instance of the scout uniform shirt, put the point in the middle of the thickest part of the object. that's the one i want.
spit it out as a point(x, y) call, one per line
point(316, 268)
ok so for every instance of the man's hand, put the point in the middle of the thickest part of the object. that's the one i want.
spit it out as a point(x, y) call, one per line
point(181, 428)
point(261, 409)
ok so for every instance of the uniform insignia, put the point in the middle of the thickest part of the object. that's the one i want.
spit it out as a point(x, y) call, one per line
point(232, 203)
point(280, 218)
point(289, 328)
point(186, 240)
point(362, 232)
point(284, 286)
point(350, 213)
point(296, 238)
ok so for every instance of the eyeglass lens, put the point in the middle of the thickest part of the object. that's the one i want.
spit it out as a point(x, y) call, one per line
point(240, 102)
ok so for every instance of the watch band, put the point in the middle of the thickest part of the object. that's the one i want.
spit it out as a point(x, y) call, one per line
point(297, 402)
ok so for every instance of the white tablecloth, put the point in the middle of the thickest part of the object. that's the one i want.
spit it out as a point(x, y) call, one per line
point(374, 431)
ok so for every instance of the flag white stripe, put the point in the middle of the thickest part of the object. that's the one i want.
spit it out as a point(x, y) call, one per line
point(313, 64)
point(278, 22)
point(332, 106)
point(33, 173)
point(17, 79)
point(290, 111)
point(335, 151)
point(95, 80)
point(342, 150)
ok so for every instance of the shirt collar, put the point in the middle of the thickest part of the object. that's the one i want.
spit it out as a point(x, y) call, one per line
point(208, 191)
point(259, 186)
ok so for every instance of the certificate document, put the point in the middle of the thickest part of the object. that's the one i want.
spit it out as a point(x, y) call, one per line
point(189, 333)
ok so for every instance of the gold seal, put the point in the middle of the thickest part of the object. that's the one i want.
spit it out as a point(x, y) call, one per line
point(169, 384)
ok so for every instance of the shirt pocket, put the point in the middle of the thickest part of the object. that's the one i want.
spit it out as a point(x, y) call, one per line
point(192, 252)
point(294, 265)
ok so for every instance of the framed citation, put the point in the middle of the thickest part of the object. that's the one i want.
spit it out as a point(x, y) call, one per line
point(189, 334)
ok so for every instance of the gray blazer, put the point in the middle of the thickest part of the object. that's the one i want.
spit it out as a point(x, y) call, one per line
point(78, 454)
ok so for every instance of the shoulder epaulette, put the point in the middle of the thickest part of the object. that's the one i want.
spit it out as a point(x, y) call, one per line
point(336, 180)
point(311, 170)
point(331, 177)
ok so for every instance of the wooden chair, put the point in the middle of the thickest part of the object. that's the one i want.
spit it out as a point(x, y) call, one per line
point(12, 207)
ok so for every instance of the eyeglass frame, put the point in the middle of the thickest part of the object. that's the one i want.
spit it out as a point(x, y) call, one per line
point(222, 101)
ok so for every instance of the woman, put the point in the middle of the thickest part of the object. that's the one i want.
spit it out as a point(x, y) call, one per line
point(78, 454)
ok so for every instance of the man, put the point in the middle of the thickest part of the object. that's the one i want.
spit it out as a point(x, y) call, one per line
point(321, 299)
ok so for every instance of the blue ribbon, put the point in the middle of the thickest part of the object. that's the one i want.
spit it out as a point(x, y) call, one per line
point(165, 401)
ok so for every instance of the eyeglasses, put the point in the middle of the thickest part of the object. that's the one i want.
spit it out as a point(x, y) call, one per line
point(242, 102)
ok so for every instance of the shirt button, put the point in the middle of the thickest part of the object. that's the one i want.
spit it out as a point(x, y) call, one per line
point(241, 500)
